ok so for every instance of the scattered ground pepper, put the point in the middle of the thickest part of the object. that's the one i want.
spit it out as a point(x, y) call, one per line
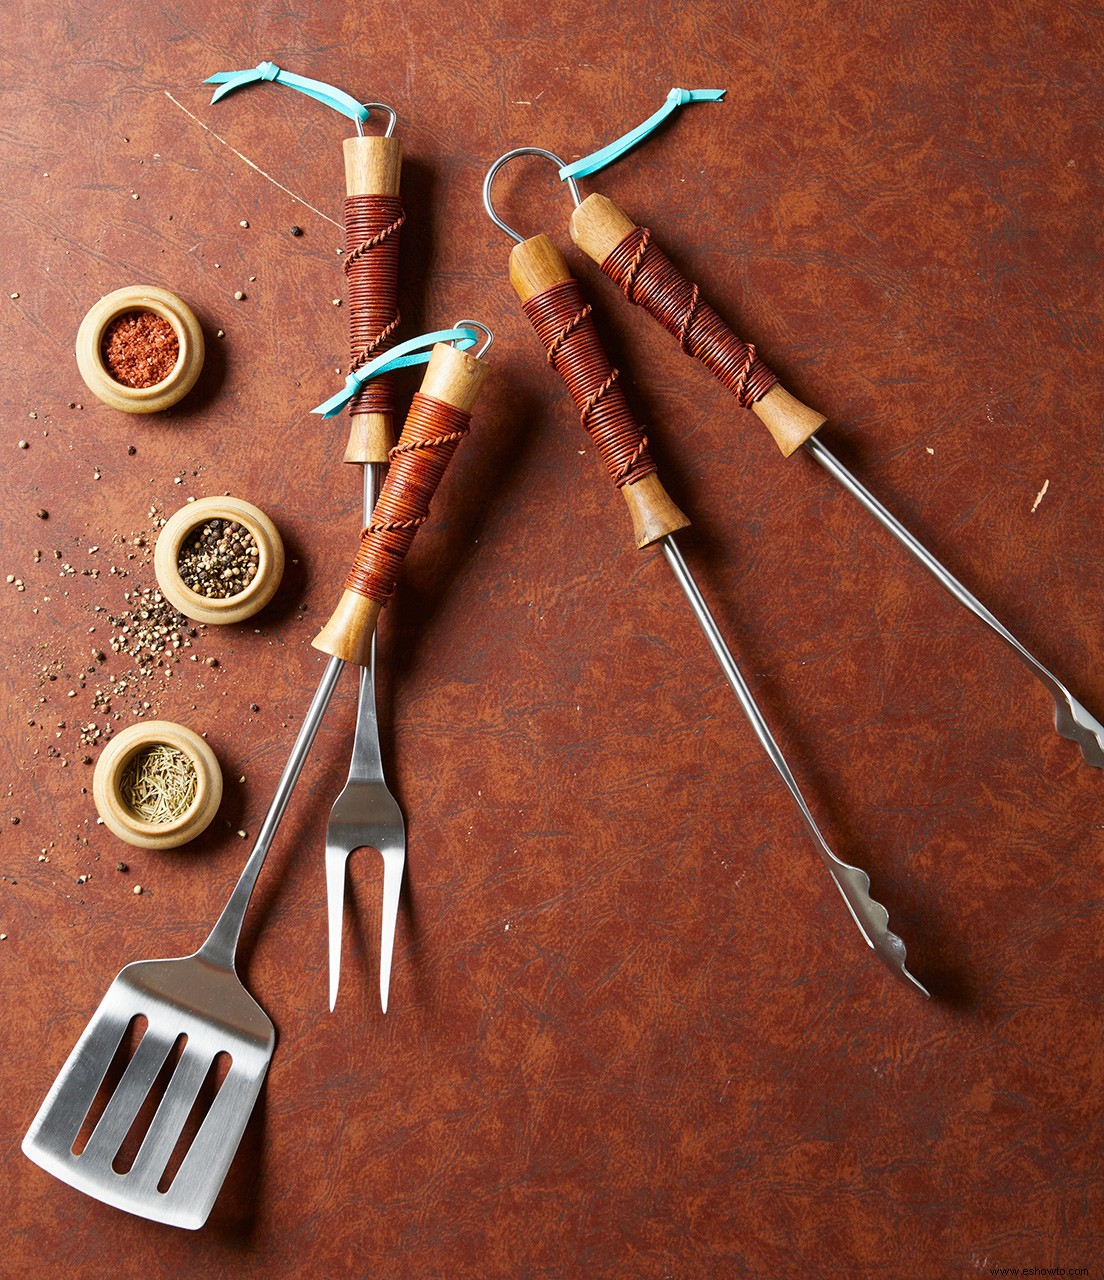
point(219, 559)
point(140, 349)
point(150, 630)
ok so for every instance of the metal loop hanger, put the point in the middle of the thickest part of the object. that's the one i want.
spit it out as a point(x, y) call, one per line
point(481, 328)
point(379, 106)
point(512, 155)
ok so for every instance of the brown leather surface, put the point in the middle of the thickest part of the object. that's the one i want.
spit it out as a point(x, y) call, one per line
point(633, 1031)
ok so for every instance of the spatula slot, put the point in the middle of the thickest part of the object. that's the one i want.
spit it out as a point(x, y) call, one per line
point(128, 1046)
point(204, 1101)
point(125, 1156)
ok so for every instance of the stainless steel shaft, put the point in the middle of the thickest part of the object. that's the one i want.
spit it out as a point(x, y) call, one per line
point(852, 882)
point(223, 940)
point(1071, 719)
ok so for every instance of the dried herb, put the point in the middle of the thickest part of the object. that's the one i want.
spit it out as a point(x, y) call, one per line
point(159, 784)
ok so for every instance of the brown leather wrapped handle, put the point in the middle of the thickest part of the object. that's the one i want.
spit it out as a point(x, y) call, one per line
point(627, 254)
point(555, 306)
point(373, 219)
point(437, 422)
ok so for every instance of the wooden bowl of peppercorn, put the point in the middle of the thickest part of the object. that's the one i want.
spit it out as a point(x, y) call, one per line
point(219, 560)
point(140, 349)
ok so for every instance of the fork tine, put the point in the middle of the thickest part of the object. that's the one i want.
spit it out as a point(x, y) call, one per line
point(335, 899)
point(393, 860)
point(126, 1101)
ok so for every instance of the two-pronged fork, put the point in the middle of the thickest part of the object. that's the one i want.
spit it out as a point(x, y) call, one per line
point(365, 814)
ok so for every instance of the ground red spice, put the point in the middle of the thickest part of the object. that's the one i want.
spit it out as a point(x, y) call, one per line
point(140, 349)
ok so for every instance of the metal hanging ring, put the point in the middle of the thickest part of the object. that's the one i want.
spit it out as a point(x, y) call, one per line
point(511, 155)
point(379, 106)
point(474, 324)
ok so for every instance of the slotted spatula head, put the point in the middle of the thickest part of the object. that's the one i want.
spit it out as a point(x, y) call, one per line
point(190, 997)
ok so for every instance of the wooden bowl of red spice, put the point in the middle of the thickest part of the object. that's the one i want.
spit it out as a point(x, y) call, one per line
point(140, 349)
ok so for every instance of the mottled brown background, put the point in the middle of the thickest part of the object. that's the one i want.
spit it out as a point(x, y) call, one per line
point(633, 1032)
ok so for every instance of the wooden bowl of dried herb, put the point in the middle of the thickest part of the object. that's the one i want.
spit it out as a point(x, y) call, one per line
point(157, 785)
point(140, 349)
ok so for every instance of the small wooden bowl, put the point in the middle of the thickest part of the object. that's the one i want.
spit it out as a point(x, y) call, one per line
point(189, 360)
point(270, 562)
point(112, 765)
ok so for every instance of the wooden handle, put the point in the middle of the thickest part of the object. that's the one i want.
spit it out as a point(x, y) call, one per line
point(536, 265)
point(437, 421)
point(373, 167)
point(454, 377)
point(348, 633)
point(556, 309)
point(789, 421)
point(599, 227)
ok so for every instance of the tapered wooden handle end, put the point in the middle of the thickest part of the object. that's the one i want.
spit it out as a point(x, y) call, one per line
point(348, 634)
point(653, 511)
point(454, 377)
point(373, 166)
point(789, 421)
point(598, 226)
point(536, 265)
point(371, 437)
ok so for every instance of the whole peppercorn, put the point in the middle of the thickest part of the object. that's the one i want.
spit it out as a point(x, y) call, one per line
point(219, 559)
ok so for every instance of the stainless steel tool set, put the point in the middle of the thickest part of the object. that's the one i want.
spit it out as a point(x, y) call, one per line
point(199, 997)
point(562, 319)
point(195, 1007)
